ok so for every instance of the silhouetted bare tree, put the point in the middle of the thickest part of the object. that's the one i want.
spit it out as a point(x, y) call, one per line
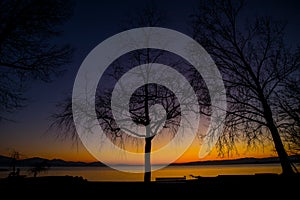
point(38, 168)
point(142, 108)
point(143, 100)
point(27, 49)
point(254, 62)
point(15, 156)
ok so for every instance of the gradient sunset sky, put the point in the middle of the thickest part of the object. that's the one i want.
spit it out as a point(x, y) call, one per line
point(93, 22)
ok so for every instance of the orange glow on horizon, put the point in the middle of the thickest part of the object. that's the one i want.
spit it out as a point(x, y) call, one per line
point(66, 150)
point(80, 153)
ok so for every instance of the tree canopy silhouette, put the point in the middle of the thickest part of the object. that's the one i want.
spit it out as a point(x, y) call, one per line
point(255, 63)
point(146, 102)
point(28, 50)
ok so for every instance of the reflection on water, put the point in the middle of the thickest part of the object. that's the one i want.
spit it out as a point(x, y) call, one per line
point(108, 174)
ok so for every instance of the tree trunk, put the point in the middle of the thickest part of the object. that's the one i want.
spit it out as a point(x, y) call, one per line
point(147, 173)
point(283, 156)
point(148, 138)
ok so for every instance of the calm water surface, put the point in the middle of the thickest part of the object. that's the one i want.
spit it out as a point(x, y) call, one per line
point(108, 174)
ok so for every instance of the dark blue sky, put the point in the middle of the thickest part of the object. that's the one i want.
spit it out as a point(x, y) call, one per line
point(93, 22)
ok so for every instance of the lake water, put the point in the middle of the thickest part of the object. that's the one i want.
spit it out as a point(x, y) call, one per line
point(108, 174)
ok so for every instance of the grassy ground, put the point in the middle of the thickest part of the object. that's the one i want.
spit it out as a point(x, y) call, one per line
point(239, 187)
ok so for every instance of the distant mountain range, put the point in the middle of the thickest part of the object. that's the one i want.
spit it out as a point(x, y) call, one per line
point(27, 162)
point(249, 160)
point(6, 162)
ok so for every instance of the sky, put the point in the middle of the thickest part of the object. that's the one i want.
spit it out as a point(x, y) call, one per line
point(91, 23)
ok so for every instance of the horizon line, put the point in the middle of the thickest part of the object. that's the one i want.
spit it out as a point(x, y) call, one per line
point(158, 164)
